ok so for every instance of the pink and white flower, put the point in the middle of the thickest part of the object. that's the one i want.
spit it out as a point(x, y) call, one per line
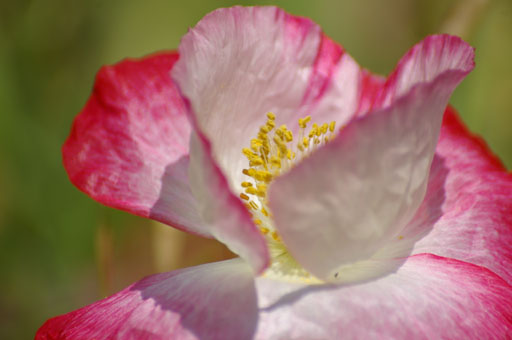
point(398, 226)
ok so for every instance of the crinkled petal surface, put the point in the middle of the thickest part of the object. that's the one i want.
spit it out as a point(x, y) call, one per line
point(212, 301)
point(429, 297)
point(354, 195)
point(129, 146)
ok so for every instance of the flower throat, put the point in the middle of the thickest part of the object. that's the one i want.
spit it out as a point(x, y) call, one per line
point(272, 153)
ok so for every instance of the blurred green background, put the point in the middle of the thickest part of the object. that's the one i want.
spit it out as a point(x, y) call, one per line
point(60, 250)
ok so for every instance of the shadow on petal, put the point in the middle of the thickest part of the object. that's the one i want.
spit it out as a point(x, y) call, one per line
point(176, 199)
point(431, 209)
point(395, 253)
point(212, 301)
point(390, 258)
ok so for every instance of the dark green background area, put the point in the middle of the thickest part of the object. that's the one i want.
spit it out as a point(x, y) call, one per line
point(56, 244)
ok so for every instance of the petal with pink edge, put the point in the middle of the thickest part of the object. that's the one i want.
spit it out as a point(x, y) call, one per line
point(474, 204)
point(424, 62)
point(239, 63)
point(429, 297)
point(129, 146)
point(212, 301)
point(355, 194)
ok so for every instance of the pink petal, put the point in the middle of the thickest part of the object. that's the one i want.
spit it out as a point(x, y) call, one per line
point(240, 63)
point(212, 301)
point(423, 63)
point(471, 204)
point(228, 219)
point(129, 146)
point(354, 195)
point(429, 297)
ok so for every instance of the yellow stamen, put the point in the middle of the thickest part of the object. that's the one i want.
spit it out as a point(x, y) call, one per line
point(262, 190)
point(305, 142)
point(275, 236)
point(265, 129)
point(312, 132)
point(275, 162)
point(304, 121)
point(251, 190)
point(318, 131)
point(271, 153)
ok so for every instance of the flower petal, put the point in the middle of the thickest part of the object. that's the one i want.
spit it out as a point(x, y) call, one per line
point(129, 146)
point(338, 88)
point(429, 297)
point(474, 204)
point(228, 219)
point(354, 195)
point(212, 301)
point(239, 63)
point(423, 63)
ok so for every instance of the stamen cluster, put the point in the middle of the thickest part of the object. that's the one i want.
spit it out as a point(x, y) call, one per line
point(270, 154)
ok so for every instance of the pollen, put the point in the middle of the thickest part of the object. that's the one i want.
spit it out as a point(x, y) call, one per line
point(274, 151)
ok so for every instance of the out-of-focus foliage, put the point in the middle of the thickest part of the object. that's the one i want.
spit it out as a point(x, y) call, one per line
point(59, 249)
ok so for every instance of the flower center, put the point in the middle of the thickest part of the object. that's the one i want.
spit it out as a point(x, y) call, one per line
point(272, 153)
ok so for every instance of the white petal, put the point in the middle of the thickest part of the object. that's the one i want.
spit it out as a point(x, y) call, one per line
point(239, 63)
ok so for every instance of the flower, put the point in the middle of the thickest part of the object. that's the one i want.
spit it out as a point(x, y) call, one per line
point(398, 225)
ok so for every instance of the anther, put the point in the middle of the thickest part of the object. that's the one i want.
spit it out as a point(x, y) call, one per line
point(275, 236)
point(288, 135)
point(251, 191)
point(305, 142)
point(325, 126)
